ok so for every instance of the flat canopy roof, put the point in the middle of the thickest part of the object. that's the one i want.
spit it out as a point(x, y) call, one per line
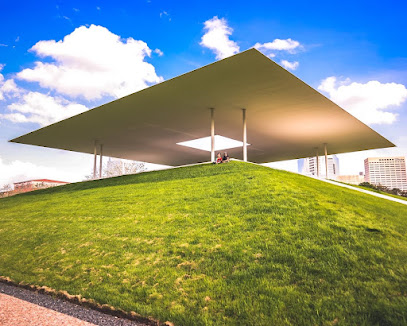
point(286, 118)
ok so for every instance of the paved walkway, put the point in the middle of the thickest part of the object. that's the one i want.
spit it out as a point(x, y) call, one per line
point(21, 307)
point(401, 201)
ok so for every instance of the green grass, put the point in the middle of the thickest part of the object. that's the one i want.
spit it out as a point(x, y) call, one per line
point(229, 244)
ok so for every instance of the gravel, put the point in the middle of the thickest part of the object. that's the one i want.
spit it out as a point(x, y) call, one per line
point(70, 309)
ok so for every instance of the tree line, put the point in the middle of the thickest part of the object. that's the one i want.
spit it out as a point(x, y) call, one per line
point(393, 191)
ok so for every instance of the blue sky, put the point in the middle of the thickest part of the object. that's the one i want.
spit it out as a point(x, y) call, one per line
point(353, 52)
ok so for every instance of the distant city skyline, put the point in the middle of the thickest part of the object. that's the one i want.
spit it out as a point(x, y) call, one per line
point(385, 171)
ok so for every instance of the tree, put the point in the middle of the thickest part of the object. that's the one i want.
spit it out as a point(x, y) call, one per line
point(6, 190)
point(116, 167)
point(6, 187)
point(379, 187)
point(367, 185)
point(396, 191)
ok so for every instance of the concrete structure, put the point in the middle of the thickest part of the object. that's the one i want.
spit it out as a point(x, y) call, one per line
point(30, 185)
point(386, 171)
point(246, 97)
point(351, 179)
point(316, 166)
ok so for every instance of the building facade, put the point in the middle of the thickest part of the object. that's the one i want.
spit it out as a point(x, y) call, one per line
point(30, 185)
point(352, 179)
point(386, 171)
point(308, 166)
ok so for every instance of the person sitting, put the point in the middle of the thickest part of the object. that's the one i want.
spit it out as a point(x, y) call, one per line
point(219, 159)
point(225, 158)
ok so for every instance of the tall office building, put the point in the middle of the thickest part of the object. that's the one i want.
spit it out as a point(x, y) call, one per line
point(386, 171)
point(308, 166)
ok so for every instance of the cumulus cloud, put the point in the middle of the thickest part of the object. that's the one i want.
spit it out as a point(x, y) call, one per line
point(278, 44)
point(290, 65)
point(269, 48)
point(8, 88)
point(369, 102)
point(159, 52)
point(217, 39)
point(92, 62)
point(16, 171)
point(41, 109)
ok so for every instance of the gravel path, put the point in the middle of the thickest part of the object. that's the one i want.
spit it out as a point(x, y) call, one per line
point(27, 308)
point(15, 311)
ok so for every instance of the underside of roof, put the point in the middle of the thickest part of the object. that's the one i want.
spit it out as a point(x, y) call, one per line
point(286, 118)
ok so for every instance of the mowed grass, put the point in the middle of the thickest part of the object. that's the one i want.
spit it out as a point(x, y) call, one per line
point(230, 244)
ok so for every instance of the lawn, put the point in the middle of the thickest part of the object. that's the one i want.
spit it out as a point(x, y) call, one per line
point(230, 244)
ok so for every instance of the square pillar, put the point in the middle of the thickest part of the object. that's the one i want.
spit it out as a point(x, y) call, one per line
point(100, 163)
point(326, 161)
point(244, 136)
point(94, 160)
point(212, 135)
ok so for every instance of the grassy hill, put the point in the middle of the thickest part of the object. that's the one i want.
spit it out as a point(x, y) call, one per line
point(230, 244)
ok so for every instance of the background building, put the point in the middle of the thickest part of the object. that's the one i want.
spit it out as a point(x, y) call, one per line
point(386, 171)
point(352, 179)
point(30, 185)
point(308, 166)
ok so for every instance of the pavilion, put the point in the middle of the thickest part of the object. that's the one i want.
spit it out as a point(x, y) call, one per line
point(269, 113)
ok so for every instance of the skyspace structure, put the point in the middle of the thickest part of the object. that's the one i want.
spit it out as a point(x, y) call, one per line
point(269, 113)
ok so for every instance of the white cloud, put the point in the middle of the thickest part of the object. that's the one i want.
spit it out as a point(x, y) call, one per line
point(288, 45)
point(41, 109)
point(290, 65)
point(369, 102)
point(216, 38)
point(93, 62)
point(16, 171)
point(159, 52)
point(278, 44)
point(7, 88)
point(165, 14)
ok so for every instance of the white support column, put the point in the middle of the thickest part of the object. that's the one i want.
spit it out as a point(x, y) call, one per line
point(317, 162)
point(100, 163)
point(212, 135)
point(326, 161)
point(244, 136)
point(94, 160)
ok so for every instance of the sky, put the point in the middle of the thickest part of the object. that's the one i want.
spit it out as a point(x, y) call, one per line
point(60, 58)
